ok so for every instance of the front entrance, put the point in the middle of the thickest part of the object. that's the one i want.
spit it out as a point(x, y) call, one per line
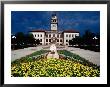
point(54, 40)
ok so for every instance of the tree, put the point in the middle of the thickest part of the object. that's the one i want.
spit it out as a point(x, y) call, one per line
point(30, 40)
point(20, 39)
point(98, 40)
point(88, 37)
point(76, 41)
point(37, 41)
point(70, 42)
point(24, 40)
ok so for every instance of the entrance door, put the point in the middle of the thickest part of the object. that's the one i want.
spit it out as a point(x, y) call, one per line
point(54, 40)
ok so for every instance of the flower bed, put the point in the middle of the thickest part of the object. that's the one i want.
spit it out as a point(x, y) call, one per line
point(74, 57)
point(69, 65)
point(53, 68)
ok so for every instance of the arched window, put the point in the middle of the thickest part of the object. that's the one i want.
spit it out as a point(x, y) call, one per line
point(70, 35)
point(49, 40)
point(49, 35)
point(35, 35)
point(46, 40)
point(60, 40)
point(66, 40)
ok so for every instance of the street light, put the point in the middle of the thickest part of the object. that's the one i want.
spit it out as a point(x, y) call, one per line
point(95, 38)
point(13, 37)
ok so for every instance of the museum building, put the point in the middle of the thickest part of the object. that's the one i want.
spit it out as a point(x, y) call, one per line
point(60, 37)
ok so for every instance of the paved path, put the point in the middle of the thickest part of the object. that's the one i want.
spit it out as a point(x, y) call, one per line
point(92, 56)
point(17, 54)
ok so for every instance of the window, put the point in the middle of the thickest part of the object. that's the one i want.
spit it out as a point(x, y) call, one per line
point(57, 40)
point(49, 40)
point(66, 44)
point(52, 20)
point(66, 35)
point(60, 40)
point(41, 35)
point(35, 35)
point(70, 35)
point(46, 35)
point(38, 35)
point(46, 40)
point(41, 40)
point(46, 43)
point(66, 40)
point(49, 35)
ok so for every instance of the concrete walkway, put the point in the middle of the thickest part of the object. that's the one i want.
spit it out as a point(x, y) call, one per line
point(92, 56)
point(17, 54)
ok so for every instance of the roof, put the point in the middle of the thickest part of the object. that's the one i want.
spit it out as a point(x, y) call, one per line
point(53, 31)
point(37, 31)
point(70, 31)
point(65, 31)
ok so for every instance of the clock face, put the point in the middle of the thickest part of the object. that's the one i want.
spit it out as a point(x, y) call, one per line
point(54, 26)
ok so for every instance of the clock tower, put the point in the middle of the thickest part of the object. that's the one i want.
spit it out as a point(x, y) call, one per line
point(54, 22)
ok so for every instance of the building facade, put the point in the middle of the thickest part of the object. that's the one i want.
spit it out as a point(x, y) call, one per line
point(58, 37)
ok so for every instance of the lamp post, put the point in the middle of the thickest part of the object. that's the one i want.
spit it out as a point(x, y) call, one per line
point(13, 38)
point(95, 38)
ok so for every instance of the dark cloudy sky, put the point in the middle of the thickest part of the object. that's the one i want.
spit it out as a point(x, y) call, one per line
point(24, 21)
